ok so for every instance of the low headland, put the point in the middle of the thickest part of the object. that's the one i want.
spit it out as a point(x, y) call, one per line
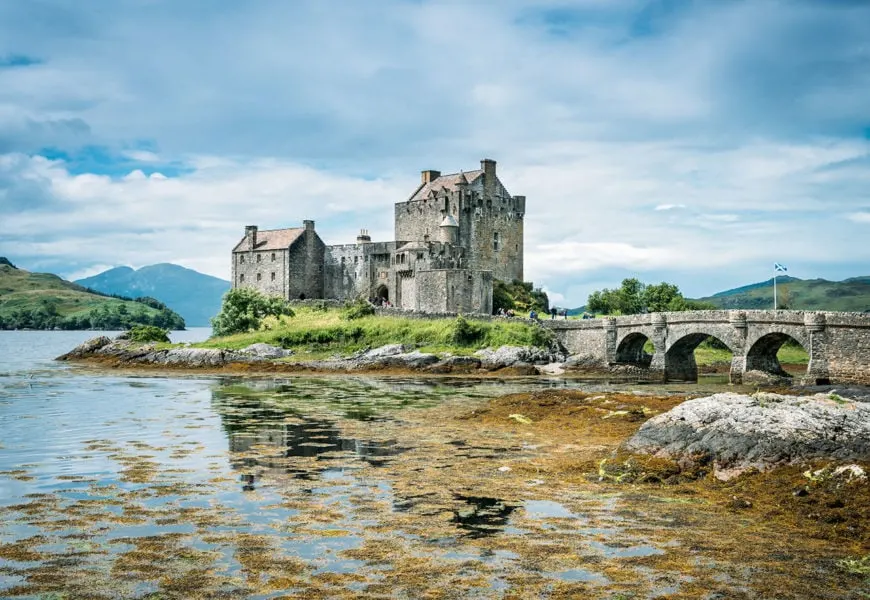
point(320, 338)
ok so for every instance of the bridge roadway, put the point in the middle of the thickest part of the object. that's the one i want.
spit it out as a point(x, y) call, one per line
point(838, 343)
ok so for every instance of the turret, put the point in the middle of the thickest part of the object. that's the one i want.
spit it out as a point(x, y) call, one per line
point(449, 230)
point(363, 237)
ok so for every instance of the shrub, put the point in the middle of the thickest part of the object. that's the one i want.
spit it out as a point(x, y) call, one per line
point(148, 333)
point(243, 309)
point(464, 332)
point(357, 310)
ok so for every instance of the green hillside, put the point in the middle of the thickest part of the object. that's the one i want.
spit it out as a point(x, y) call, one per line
point(45, 301)
point(195, 296)
point(852, 295)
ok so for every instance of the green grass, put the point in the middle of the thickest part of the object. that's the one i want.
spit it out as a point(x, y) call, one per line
point(317, 332)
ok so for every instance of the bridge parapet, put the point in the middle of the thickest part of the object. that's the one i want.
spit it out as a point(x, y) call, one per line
point(838, 343)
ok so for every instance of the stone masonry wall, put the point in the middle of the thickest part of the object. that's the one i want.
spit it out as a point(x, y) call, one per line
point(265, 270)
point(305, 262)
point(353, 270)
point(838, 343)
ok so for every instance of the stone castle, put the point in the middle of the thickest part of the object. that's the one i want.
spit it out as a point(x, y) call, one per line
point(453, 236)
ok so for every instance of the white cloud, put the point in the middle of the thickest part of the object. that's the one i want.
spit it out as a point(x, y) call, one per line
point(700, 116)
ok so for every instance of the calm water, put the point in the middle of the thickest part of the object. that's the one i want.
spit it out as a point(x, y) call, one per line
point(152, 487)
point(94, 467)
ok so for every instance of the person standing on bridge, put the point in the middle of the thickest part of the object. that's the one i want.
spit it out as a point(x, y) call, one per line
point(553, 312)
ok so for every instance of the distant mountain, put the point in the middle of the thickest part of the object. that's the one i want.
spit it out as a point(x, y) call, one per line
point(194, 295)
point(45, 301)
point(851, 295)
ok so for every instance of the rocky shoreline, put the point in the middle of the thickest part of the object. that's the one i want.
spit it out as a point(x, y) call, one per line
point(506, 360)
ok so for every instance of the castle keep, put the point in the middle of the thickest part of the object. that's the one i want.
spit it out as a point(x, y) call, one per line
point(453, 235)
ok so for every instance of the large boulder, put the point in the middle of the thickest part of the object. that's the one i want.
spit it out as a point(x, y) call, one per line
point(738, 431)
point(376, 354)
point(508, 356)
point(192, 358)
point(263, 350)
point(86, 348)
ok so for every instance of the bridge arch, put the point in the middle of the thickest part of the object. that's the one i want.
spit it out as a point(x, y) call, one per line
point(631, 350)
point(680, 364)
point(762, 354)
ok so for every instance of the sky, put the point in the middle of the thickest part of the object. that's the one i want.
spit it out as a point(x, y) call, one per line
point(694, 142)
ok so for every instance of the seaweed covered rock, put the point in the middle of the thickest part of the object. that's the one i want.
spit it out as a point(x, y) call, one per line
point(738, 431)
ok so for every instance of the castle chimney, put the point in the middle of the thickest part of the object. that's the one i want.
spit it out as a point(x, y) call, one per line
point(251, 236)
point(363, 237)
point(487, 165)
point(309, 225)
point(430, 176)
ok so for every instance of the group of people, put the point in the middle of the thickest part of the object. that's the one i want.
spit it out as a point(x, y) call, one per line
point(533, 314)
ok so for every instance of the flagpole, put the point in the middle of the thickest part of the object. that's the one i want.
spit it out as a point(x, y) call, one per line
point(774, 288)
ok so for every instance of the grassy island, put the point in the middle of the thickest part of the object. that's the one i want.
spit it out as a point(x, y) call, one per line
point(322, 331)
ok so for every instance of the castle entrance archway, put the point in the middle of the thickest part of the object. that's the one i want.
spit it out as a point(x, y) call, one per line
point(382, 294)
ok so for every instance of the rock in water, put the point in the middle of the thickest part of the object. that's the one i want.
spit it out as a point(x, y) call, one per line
point(86, 348)
point(762, 430)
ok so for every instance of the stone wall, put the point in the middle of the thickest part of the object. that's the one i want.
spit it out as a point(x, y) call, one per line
point(357, 270)
point(305, 267)
point(264, 270)
point(454, 291)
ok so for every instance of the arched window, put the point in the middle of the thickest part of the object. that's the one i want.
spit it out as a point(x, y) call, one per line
point(242, 278)
point(259, 276)
point(273, 257)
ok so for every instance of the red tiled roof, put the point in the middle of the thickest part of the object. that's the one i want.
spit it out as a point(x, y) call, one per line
point(272, 239)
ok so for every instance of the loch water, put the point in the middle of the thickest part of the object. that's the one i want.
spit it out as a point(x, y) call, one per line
point(136, 485)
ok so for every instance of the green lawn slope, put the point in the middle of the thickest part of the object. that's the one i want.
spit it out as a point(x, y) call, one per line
point(315, 333)
point(45, 301)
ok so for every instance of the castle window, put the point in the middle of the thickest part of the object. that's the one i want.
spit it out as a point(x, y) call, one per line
point(342, 261)
point(258, 258)
point(273, 260)
point(419, 256)
point(242, 278)
point(259, 275)
point(495, 240)
point(273, 275)
point(356, 260)
point(241, 259)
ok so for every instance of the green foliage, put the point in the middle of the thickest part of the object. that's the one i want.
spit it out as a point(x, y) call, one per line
point(466, 333)
point(520, 296)
point(243, 309)
point(634, 297)
point(851, 295)
point(148, 333)
point(355, 310)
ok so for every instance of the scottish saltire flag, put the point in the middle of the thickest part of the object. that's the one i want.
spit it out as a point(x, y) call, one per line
point(778, 268)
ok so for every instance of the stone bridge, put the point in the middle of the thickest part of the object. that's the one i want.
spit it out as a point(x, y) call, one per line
point(838, 343)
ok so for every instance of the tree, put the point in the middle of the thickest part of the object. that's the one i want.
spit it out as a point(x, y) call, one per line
point(518, 295)
point(243, 309)
point(634, 297)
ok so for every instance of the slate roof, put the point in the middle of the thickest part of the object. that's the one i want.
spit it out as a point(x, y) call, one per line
point(445, 181)
point(272, 239)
